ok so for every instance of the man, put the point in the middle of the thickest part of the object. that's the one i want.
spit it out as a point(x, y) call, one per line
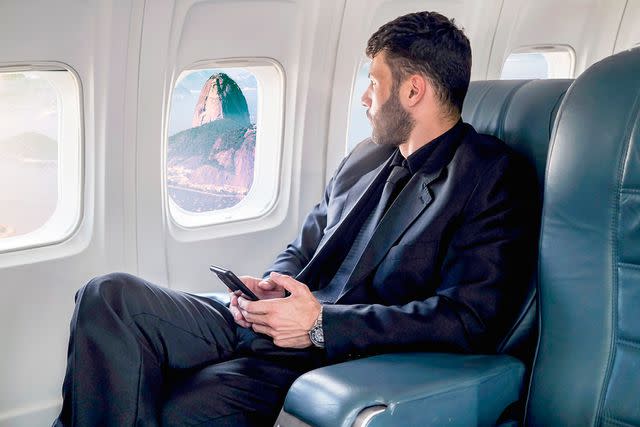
point(423, 241)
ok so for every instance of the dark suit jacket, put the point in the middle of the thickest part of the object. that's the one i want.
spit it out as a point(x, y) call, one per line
point(448, 265)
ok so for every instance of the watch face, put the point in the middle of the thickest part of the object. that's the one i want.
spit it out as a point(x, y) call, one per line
point(316, 336)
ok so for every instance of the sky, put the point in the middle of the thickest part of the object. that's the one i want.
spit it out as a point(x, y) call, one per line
point(28, 103)
point(359, 125)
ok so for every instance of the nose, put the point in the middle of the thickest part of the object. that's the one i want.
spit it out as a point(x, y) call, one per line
point(365, 99)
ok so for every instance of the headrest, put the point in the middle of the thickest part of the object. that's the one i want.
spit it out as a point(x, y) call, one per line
point(520, 112)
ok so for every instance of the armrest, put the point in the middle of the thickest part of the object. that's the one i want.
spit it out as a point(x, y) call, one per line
point(408, 389)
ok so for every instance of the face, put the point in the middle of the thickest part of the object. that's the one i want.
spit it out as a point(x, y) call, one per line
point(391, 123)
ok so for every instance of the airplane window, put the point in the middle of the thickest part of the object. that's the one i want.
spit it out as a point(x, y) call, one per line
point(359, 126)
point(40, 166)
point(223, 146)
point(545, 62)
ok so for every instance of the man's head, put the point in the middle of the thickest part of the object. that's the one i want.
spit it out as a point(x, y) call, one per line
point(419, 61)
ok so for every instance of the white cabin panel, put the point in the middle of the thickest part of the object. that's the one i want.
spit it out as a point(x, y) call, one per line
point(629, 32)
point(38, 285)
point(128, 56)
point(588, 26)
point(301, 38)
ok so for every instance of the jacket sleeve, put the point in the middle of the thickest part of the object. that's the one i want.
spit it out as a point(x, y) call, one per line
point(298, 253)
point(484, 274)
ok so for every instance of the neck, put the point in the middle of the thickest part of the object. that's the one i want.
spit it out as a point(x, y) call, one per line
point(424, 132)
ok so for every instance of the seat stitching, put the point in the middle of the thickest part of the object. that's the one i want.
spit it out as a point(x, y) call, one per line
point(630, 342)
point(552, 143)
point(483, 95)
point(553, 117)
point(629, 265)
point(615, 420)
point(505, 107)
point(631, 125)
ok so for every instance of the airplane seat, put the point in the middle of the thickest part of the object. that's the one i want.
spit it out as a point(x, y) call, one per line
point(587, 367)
point(521, 113)
point(434, 388)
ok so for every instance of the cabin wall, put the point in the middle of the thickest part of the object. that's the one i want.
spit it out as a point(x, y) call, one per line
point(38, 285)
point(628, 34)
point(589, 27)
point(128, 53)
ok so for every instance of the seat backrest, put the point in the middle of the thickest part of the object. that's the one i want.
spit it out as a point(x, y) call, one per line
point(521, 113)
point(587, 366)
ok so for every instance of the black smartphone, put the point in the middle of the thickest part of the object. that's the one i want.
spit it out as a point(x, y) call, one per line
point(233, 282)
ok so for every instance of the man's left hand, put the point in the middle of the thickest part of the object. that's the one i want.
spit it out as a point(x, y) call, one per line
point(286, 320)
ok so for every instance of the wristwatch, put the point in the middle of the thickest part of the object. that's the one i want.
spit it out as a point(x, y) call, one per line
point(315, 333)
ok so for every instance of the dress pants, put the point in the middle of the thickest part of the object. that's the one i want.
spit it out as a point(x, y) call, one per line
point(144, 355)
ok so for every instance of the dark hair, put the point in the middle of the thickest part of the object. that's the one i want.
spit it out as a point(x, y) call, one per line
point(430, 44)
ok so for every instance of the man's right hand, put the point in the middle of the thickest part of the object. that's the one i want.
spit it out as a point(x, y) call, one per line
point(264, 289)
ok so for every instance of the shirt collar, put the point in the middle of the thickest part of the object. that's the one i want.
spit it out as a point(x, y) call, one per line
point(417, 159)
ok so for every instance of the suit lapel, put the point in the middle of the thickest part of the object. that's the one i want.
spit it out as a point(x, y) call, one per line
point(375, 179)
point(411, 202)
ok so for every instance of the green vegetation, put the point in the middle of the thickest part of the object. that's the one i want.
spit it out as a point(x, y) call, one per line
point(198, 141)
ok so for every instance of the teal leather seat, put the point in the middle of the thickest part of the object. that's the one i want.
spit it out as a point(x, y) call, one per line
point(432, 388)
point(587, 367)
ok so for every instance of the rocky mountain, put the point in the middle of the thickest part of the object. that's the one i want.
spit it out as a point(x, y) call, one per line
point(215, 157)
point(221, 98)
point(211, 165)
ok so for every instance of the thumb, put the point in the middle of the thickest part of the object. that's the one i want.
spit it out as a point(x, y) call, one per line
point(287, 282)
point(267, 285)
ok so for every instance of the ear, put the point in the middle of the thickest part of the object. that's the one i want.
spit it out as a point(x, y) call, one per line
point(416, 88)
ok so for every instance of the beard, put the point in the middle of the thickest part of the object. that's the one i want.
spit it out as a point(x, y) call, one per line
point(392, 124)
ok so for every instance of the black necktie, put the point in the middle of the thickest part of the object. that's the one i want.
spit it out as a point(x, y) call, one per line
point(395, 183)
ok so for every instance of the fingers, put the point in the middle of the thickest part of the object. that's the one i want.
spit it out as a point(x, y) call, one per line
point(238, 318)
point(233, 298)
point(242, 323)
point(237, 315)
point(255, 307)
point(255, 319)
point(288, 283)
point(248, 280)
point(268, 285)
